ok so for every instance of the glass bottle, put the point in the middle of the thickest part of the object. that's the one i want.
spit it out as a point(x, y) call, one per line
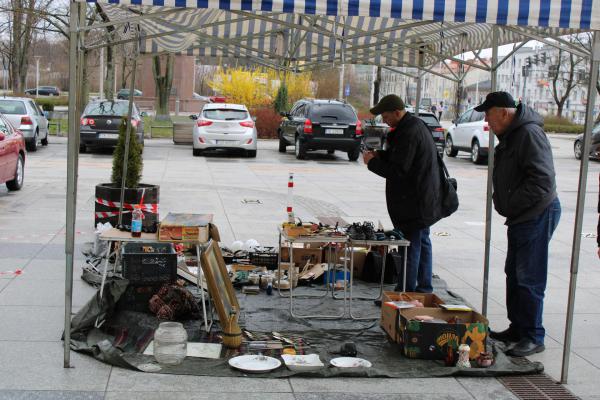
point(136, 221)
point(170, 343)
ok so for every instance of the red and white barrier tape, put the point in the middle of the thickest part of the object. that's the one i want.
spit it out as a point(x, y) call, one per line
point(148, 207)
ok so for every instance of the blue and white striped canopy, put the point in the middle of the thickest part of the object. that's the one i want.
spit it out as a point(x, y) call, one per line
point(573, 14)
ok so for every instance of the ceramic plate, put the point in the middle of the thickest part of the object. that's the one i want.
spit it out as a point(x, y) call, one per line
point(303, 363)
point(254, 363)
point(350, 362)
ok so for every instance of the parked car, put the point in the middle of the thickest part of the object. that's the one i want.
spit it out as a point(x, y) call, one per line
point(470, 133)
point(44, 91)
point(100, 123)
point(12, 155)
point(197, 96)
point(375, 130)
point(321, 125)
point(123, 94)
point(595, 144)
point(224, 126)
point(25, 115)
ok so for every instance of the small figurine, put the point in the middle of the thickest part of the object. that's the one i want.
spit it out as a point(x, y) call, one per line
point(463, 356)
point(449, 360)
point(485, 359)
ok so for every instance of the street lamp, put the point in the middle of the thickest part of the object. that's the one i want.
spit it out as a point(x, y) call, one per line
point(37, 74)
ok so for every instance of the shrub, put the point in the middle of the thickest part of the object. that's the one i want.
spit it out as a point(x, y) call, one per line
point(267, 122)
point(281, 100)
point(48, 103)
point(554, 120)
point(134, 159)
point(558, 128)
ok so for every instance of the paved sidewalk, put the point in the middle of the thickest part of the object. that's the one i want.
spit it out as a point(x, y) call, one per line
point(32, 239)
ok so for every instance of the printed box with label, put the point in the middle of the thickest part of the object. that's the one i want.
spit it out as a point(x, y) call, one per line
point(390, 315)
point(185, 227)
point(302, 255)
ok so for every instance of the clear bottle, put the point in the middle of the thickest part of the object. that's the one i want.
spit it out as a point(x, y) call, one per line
point(136, 221)
point(170, 343)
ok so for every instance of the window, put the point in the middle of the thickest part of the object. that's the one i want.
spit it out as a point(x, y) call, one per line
point(300, 111)
point(429, 119)
point(476, 116)
point(465, 117)
point(108, 108)
point(3, 128)
point(333, 113)
point(15, 107)
point(225, 114)
point(34, 108)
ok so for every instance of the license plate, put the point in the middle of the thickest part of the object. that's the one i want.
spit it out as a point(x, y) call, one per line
point(224, 141)
point(334, 131)
point(108, 135)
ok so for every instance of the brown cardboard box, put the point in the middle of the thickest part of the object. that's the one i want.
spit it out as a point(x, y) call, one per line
point(360, 255)
point(427, 340)
point(184, 227)
point(390, 316)
point(302, 255)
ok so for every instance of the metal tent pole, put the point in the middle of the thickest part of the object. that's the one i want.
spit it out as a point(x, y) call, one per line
point(488, 203)
point(72, 162)
point(419, 83)
point(583, 171)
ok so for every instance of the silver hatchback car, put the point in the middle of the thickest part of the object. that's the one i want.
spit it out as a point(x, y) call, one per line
point(25, 115)
point(223, 126)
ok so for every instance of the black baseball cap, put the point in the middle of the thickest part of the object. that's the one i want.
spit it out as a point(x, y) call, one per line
point(497, 99)
point(391, 102)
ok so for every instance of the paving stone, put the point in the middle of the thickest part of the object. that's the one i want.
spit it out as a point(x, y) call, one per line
point(171, 395)
point(31, 323)
point(378, 396)
point(49, 395)
point(383, 386)
point(486, 389)
point(23, 292)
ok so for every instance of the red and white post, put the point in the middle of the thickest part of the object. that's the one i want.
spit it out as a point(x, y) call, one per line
point(290, 198)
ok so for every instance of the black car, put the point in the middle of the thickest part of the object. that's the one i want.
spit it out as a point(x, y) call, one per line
point(100, 123)
point(44, 91)
point(321, 125)
point(123, 94)
point(595, 145)
point(375, 130)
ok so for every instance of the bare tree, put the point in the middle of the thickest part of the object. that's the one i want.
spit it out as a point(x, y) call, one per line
point(163, 81)
point(585, 40)
point(563, 79)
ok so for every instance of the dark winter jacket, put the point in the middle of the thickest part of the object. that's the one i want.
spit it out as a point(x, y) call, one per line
point(409, 165)
point(524, 179)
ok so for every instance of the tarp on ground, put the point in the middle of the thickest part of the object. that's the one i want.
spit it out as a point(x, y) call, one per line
point(124, 335)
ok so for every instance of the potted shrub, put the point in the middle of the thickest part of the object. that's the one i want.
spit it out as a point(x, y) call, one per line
point(108, 195)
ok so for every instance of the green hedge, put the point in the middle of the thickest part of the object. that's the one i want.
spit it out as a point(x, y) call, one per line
point(558, 128)
point(48, 103)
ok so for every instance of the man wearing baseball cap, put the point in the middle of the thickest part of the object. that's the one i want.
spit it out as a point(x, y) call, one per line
point(525, 193)
point(412, 186)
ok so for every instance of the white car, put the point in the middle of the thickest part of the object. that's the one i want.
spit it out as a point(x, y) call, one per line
point(25, 115)
point(224, 126)
point(469, 133)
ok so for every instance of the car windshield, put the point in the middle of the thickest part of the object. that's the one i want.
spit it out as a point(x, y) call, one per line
point(332, 113)
point(12, 107)
point(107, 108)
point(429, 120)
point(225, 114)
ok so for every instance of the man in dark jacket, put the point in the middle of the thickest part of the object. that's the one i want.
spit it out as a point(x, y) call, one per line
point(524, 193)
point(412, 188)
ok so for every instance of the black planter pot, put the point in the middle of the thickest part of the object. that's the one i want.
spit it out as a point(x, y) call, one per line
point(108, 196)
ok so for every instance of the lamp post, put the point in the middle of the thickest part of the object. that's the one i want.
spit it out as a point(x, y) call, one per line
point(37, 75)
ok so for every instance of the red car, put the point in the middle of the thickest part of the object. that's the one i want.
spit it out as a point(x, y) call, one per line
point(12, 155)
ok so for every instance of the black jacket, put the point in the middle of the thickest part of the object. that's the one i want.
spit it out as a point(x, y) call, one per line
point(524, 179)
point(409, 165)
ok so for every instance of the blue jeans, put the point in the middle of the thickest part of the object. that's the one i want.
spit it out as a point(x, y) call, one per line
point(418, 264)
point(526, 272)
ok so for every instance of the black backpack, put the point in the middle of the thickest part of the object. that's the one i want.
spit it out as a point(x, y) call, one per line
point(448, 187)
point(374, 264)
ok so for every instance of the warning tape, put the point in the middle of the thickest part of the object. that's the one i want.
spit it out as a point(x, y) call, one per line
point(109, 214)
point(148, 207)
point(15, 272)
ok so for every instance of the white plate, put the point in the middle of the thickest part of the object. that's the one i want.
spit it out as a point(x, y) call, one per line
point(254, 363)
point(350, 362)
point(334, 131)
point(108, 135)
point(303, 363)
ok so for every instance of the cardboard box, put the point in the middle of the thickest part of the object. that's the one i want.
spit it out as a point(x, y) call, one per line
point(390, 316)
point(302, 256)
point(430, 341)
point(184, 227)
point(360, 255)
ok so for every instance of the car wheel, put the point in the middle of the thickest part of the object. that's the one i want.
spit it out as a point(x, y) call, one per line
point(282, 144)
point(578, 149)
point(82, 148)
point(17, 183)
point(476, 156)
point(354, 154)
point(251, 153)
point(330, 151)
point(300, 149)
point(450, 150)
point(45, 140)
point(32, 145)
point(197, 152)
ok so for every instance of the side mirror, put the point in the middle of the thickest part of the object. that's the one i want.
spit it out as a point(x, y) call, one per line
point(194, 117)
point(46, 114)
point(144, 114)
point(254, 118)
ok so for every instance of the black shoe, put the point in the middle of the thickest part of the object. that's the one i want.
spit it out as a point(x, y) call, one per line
point(377, 303)
point(507, 335)
point(524, 348)
point(355, 232)
point(369, 230)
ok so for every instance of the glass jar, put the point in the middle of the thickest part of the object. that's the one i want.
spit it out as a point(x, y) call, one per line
point(170, 343)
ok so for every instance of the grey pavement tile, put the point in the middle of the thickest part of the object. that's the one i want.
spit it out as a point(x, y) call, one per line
point(10, 264)
point(382, 386)
point(53, 269)
point(20, 250)
point(486, 389)
point(584, 333)
point(49, 395)
point(368, 396)
point(22, 292)
point(591, 355)
point(4, 283)
point(38, 366)
point(174, 395)
point(31, 323)
point(129, 381)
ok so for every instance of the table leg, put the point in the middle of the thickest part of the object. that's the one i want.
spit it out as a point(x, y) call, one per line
point(200, 282)
point(105, 269)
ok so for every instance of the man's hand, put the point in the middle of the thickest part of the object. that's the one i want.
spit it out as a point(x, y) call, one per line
point(367, 156)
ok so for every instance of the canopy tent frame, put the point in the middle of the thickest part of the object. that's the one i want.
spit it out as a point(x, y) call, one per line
point(77, 31)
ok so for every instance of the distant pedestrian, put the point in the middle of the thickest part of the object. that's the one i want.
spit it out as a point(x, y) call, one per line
point(433, 109)
point(441, 110)
point(525, 193)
